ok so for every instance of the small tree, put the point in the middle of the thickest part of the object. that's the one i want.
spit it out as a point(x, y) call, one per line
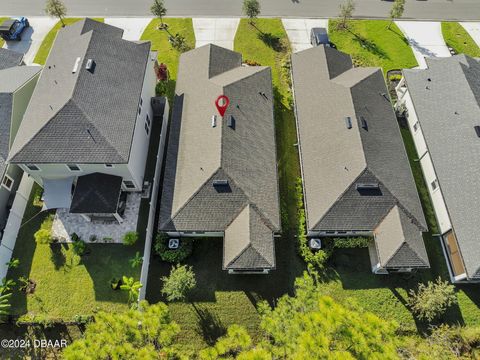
point(346, 12)
point(136, 261)
point(130, 238)
point(132, 287)
point(396, 11)
point(159, 10)
point(432, 300)
point(179, 283)
point(251, 8)
point(56, 8)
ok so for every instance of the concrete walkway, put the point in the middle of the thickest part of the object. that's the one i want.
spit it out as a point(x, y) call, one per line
point(298, 31)
point(425, 39)
point(473, 28)
point(218, 31)
point(132, 27)
point(32, 37)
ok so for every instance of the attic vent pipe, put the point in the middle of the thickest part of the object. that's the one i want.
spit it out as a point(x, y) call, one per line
point(90, 65)
point(348, 122)
point(477, 130)
point(76, 65)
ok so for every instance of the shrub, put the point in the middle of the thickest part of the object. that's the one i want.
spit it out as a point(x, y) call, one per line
point(179, 283)
point(179, 42)
point(351, 242)
point(161, 88)
point(136, 261)
point(43, 236)
point(130, 238)
point(79, 247)
point(432, 300)
point(286, 69)
point(395, 77)
point(172, 255)
point(252, 62)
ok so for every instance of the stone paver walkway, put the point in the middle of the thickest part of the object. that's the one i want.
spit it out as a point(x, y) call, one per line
point(425, 39)
point(32, 37)
point(65, 224)
point(132, 27)
point(473, 28)
point(298, 31)
point(218, 31)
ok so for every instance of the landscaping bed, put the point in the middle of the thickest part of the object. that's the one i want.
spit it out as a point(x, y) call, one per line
point(457, 38)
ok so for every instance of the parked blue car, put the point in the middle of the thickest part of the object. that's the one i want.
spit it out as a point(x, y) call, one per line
point(11, 29)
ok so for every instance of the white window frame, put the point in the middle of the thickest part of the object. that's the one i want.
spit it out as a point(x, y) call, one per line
point(3, 182)
point(28, 167)
point(75, 171)
point(437, 185)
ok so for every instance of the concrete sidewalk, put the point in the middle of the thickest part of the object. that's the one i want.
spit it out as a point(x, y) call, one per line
point(32, 37)
point(132, 27)
point(216, 31)
point(298, 31)
point(473, 28)
point(425, 39)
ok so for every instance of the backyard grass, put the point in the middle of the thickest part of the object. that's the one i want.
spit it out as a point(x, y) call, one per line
point(370, 43)
point(219, 299)
point(44, 49)
point(166, 53)
point(459, 39)
point(67, 285)
point(2, 19)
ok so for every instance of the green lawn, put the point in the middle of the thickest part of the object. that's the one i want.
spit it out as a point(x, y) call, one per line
point(458, 39)
point(160, 43)
point(2, 19)
point(67, 285)
point(221, 299)
point(44, 49)
point(371, 43)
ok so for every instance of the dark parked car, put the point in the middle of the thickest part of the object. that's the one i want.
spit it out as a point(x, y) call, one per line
point(11, 29)
point(319, 36)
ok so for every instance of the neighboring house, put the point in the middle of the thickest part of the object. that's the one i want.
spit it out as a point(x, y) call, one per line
point(356, 175)
point(88, 124)
point(442, 105)
point(221, 174)
point(16, 87)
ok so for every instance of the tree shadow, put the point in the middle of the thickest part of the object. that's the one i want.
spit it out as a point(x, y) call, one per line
point(370, 46)
point(57, 256)
point(272, 41)
point(210, 327)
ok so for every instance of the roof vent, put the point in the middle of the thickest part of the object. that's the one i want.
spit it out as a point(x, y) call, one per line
point(231, 122)
point(348, 122)
point(220, 182)
point(76, 65)
point(90, 65)
point(364, 123)
point(214, 120)
point(367, 186)
point(477, 130)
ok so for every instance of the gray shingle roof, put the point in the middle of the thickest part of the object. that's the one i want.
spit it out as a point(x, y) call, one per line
point(335, 158)
point(12, 78)
point(84, 116)
point(448, 108)
point(245, 154)
point(9, 58)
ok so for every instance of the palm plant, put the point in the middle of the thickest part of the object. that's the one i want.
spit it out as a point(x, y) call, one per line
point(132, 287)
point(136, 261)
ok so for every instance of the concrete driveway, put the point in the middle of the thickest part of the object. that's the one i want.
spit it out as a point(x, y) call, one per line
point(298, 31)
point(132, 27)
point(425, 39)
point(32, 37)
point(473, 28)
point(218, 31)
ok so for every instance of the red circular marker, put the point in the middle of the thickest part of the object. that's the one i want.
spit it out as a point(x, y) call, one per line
point(222, 103)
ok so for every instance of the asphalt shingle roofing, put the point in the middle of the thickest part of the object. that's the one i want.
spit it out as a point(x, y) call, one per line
point(84, 116)
point(244, 155)
point(9, 58)
point(348, 136)
point(446, 98)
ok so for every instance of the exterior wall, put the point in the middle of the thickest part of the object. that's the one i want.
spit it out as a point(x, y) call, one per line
point(7, 196)
point(195, 234)
point(21, 98)
point(412, 118)
point(139, 150)
point(337, 233)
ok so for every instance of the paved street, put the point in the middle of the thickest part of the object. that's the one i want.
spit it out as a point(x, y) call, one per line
point(428, 9)
point(425, 39)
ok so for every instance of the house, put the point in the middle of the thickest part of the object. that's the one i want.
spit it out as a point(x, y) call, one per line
point(85, 134)
point(442, 106)
point(17, 82)
point(221, 176)
point(356, 175)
